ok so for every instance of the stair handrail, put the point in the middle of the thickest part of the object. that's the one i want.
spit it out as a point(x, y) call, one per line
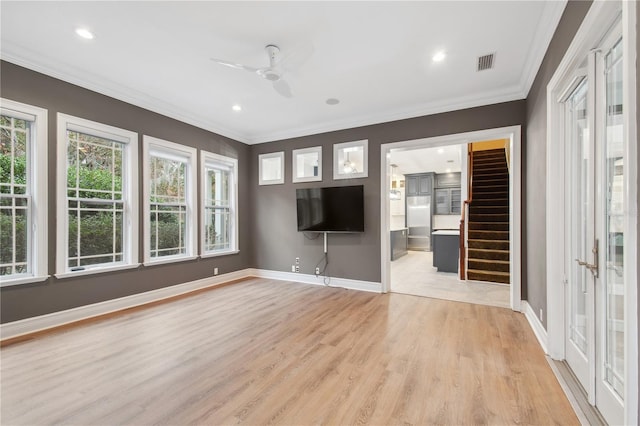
point(464, 219)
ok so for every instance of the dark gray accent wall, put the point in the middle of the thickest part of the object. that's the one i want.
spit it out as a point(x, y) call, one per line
point(535, 152)
point(353, 256)
point(23, 301)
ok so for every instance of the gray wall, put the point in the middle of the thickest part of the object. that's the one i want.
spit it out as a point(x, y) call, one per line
point(535, 169)
point(354, 256)
point(29, 300)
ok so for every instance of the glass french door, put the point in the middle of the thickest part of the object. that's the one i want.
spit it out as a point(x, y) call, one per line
point(594, 342)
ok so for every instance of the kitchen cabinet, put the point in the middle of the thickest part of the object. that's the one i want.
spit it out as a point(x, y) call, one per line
point(448, 180)
point(448, 201)
point(419, 184)
point(398, 243)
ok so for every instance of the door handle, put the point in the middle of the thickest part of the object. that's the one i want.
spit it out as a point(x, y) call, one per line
point(593, 267)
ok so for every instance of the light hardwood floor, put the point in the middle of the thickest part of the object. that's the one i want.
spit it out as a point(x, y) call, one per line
point(270, 352)
point(414, 274)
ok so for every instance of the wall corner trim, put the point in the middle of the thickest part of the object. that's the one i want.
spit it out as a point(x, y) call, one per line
point(345, 283)
point(536, 325)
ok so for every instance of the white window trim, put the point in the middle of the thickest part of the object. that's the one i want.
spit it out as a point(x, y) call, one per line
point(294, 160)
point(365, 159)
point(130, 191)
point(232, 163)
point(38, 152)
point(261, 158)
point(150, 144)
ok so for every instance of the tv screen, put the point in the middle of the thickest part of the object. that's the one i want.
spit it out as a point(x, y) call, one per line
point(331, 209)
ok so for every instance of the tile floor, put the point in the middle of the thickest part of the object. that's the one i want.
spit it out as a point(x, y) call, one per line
point(414, 274)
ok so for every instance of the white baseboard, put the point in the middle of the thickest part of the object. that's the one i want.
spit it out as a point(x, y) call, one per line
point(369, 286)
point(43, 322)
point(56, 319)
point(536, 325)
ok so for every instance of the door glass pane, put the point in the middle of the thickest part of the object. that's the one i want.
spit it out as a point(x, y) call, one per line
point(580, 248)
point(614, 214)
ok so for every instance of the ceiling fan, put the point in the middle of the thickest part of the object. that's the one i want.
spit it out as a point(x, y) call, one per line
point(274, 72)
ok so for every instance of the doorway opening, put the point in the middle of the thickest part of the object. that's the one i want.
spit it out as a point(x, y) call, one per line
point(424, 190)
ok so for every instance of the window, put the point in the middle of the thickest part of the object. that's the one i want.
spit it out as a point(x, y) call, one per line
point(97, 209)
point(219, 202)
point(169, 193)
point(23, 193)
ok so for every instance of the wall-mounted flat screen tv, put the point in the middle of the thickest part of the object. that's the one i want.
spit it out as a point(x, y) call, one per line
point(331, 209)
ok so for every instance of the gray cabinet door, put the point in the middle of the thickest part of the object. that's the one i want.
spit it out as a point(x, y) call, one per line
point(412, 185)
point(442, 201)
point(448, 180)
point(426, 184)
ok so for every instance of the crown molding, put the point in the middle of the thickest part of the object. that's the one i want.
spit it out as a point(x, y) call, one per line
point(547, 25)
point(69, 74)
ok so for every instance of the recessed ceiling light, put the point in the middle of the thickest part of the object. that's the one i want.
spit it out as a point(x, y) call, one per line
point(236, 107)
point(84, 33)
point(332, 101)
point(448, 170)
point(441, 151)
point(439, 56)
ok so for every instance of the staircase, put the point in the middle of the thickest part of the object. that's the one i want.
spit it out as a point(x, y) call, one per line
point(488, 237)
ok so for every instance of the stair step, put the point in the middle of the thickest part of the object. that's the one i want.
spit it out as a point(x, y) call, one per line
point(496, 165)
point(491, 175)
point(489, 226)
point(489, 160)
point(489, 195)
point(489, 171)
point(491, 276)
point(479, 243)
point(490, 202)
point(488, 152)
point(489, 217)
point(488, 209)
point(489, 254)
point(497, 189)
point(476, 234)
point(488, 265)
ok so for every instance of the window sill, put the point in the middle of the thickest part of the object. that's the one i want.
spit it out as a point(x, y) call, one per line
point(220, 253)
point(23, 280)
point(98, 270)
point(169, 260)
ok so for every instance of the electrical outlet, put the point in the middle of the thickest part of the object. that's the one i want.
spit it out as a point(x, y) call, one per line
point(297, 268)
point(297, 260)
point(293, 268)
point(215, 271)
point(317, 271)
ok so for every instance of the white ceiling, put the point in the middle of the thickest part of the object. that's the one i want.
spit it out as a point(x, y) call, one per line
point(444, 159)
point(375, 57)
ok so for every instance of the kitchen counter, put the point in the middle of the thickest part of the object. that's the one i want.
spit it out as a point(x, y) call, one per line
point(447, 232)
point(446, 249)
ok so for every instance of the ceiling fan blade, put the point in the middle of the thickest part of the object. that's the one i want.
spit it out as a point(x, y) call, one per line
point(282, 87)
point(234, 65)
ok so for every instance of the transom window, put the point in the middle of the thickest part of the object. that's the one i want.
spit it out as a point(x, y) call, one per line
point(219, 195)
point(95, 172)
point(169, 194)
point(23, 198)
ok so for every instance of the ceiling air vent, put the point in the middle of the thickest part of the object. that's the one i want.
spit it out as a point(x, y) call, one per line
point(485, 62)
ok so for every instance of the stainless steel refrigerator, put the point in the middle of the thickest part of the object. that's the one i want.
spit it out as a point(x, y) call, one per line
point(419, 222)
